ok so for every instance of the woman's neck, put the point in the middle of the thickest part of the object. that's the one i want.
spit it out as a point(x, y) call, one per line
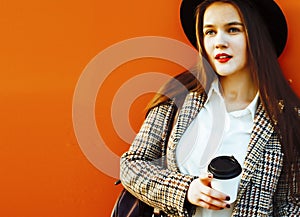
point(238, 91)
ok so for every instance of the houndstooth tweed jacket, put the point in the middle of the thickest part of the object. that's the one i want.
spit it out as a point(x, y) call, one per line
point(264, 189)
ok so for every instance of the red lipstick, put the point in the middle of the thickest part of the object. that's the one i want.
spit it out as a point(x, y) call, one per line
point(223, 57)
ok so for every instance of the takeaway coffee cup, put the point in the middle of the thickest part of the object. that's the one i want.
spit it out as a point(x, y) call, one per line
point(226, 172)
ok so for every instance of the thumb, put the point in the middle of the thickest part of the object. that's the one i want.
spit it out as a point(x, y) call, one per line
point(206, 178)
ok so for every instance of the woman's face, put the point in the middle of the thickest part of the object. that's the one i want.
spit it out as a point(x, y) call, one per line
point(225, 39)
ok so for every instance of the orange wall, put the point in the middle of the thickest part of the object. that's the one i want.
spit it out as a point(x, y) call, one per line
point(45, 46)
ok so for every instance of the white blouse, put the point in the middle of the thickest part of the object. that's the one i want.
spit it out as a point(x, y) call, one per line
point(228, 133)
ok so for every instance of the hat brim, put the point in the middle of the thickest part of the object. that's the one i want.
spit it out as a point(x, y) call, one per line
point(270, 11)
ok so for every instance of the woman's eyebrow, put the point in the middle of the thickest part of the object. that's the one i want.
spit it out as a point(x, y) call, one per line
point(208, 26)
point(234, 23)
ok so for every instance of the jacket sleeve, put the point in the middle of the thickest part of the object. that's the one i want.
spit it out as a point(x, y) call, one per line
point(144, 177)
point(287, 202)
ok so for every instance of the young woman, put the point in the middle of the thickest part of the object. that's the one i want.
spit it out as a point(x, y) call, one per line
point(241, 40)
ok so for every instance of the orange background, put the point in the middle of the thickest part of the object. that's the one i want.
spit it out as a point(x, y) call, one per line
point(45, 45)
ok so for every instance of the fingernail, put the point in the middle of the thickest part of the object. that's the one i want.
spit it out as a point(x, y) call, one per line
point(227, 206)
point(227, 198)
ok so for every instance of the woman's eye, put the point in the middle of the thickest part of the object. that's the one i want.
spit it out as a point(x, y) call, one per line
point(209, 32)
point(233, 30)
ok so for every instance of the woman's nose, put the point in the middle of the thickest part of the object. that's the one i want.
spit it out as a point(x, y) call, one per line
point(221, 41)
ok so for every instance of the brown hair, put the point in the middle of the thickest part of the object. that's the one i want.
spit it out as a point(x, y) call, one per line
point(280, 102)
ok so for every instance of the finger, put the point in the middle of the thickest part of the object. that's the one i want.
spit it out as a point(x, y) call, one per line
point(213, 201)
point(206, 189)
point(206, 178)
point(203, 204)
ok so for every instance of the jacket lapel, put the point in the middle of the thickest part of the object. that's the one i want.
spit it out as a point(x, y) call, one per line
point(261, 133)
point(193, 103)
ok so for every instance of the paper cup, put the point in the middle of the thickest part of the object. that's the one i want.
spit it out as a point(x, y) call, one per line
point(226, 171)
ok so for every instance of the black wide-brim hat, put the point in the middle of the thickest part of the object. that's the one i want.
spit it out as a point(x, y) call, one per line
point(269, 10)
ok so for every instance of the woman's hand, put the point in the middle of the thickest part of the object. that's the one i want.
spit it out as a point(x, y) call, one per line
point(201, 194)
